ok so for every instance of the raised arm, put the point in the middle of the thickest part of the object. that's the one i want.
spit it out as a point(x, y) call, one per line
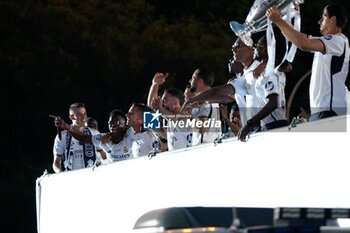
point(158, 79)
point(79, 136)
point(265, 111)
point(59, 122)
point(222, 92)
point(56, 165)
point(299, 39)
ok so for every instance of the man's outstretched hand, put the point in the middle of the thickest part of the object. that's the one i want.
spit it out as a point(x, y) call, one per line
point(59, 122)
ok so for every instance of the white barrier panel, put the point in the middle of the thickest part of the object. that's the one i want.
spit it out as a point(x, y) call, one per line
point(271, 169)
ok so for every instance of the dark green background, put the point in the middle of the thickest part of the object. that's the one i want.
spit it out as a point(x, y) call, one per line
point(103, 53)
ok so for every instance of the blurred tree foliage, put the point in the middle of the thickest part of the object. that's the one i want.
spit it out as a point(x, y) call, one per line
point(103, 53)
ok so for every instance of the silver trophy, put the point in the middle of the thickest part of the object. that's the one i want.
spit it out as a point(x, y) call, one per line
point(256, 20)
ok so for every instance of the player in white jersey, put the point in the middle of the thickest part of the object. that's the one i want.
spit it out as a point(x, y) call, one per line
point(329, 72)
point(178, 138)
point(252, 105)
point(202, 80)
point(181, 137)
point(73, 156)
point(204, 113)
point(245, 54)
point(240, 87)
point(131, 144)
point(265, 87)
point(269, 93)
point(331, 60)
point(169, 105)
point(117, 148)
point(121, 142)
point(136, 141)
point(144, 141)
point(234, 89)
point(69, 153)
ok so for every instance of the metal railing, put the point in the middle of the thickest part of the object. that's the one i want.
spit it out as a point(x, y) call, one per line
point(294, 91)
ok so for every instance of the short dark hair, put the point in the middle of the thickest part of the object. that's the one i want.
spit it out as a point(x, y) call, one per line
point(280, 46)
point(117, 112)
point(176, 93)
point(339, 12)
point(206, 75)
point(142, 107)
point(280, 50)
point(74, 106)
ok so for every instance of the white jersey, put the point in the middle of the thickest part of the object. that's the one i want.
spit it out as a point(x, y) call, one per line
point(240, 86)
point(115, 152)
point(214, 132)
point(75, 157)
point(143, 142)
point(212, 112)
point(265, 86)
point(282, 85)
point(95, 132)
point(178, 138)
point(251, 101)
point(132, 145)
point(329, 72)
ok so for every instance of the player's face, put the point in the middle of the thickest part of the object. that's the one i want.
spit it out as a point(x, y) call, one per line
point(133, 117)
point(171, 103)
point(195, 80)
point(261, 48)
point(325, 23)
point(240, 51)
point(115, 122)
point(80, 116)
point(188, 93)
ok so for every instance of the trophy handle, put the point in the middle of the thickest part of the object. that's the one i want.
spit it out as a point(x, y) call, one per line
point(256, 20)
